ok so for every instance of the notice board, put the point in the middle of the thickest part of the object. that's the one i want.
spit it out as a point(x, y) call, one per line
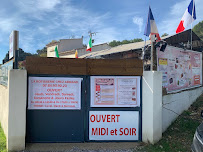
point(181, 68)
point(115, 91)
point(54, 93)
point(113, 125)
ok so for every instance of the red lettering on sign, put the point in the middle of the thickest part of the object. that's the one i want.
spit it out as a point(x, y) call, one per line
point(105, 118)
point(100, 131)
point(92, 116)
point(127, 131)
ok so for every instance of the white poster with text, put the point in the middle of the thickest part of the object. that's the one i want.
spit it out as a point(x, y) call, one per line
point(54, 93)
point(115, 91)
point(113, 125)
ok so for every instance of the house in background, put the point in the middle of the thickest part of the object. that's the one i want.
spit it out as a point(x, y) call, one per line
point(134, 50)
point(67, 48)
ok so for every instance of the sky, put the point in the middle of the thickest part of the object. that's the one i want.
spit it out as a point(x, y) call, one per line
point(41, 21)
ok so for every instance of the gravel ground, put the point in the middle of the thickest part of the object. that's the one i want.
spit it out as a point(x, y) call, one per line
point(84, 147)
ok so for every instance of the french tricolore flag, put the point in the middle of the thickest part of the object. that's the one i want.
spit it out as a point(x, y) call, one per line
point(188, 17)
point(151, 28)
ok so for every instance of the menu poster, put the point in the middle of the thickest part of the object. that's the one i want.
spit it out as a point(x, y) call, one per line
point(115, 91)
point(181, 68)
point(54, 93)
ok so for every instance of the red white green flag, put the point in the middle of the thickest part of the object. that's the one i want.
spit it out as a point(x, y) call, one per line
point(89, 46)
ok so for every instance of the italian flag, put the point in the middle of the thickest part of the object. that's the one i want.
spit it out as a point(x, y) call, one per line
point(89, 46)
point(56, 52)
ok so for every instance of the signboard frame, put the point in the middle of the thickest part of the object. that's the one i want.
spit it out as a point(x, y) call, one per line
point(114, 87)
point(183, 53)
point(89, 108)
point(38, 119)
point(31, 106)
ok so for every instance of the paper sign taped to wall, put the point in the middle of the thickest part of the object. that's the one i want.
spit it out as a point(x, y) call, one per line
point(113, 125)
point(54, 93)
point(115, 91)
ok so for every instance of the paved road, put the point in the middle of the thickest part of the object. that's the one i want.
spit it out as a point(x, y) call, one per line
point(84, 147)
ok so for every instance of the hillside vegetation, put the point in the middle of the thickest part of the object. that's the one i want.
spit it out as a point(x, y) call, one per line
point(198, 29)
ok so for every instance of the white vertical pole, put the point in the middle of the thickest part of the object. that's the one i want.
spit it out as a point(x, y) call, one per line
point(144, 52)
point(193, 1)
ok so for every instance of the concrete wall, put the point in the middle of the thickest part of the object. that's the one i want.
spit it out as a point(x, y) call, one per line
point(51, 51)
point(4, 105)
point(68, 56)
point(152, 106)
point(177, 102)
point(70, 44)
point(13, 109)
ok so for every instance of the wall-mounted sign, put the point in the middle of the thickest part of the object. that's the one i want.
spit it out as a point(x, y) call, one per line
point(115, 91)
point(181, 68)
point(54, 93)
point(113, 125)
point(13, 43)
point(4, 70)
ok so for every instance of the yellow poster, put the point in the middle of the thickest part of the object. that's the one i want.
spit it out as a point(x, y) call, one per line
point(162, 61)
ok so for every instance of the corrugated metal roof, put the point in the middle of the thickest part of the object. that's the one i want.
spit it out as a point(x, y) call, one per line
point(180, 37)
point(120, 48)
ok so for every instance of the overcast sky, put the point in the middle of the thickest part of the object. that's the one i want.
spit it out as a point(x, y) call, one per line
point(41, 21)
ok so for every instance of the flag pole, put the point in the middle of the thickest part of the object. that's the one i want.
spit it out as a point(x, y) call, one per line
point(191, 36)
point(192, 19)
point(144, 52)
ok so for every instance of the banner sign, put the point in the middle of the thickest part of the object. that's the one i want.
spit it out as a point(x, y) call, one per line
point(54, 93)
point(181, 68)
point(115, 91)
point(113, 125)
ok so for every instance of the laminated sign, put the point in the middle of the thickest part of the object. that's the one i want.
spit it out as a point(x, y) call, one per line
point(181, 69)
point(113, 125)
point(115, 91)
point(54, 93)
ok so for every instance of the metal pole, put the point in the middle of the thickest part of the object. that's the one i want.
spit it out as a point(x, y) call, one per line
point(144, 53)
point(152, 55)
point(16, 59)
point(191, 23)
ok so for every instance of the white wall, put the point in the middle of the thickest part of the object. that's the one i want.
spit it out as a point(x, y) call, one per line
point(177, 102)
point(13, 109)
point(4, 108)
point(152, 106)
point(51, 51)
point(17, 110)
point(70, 44)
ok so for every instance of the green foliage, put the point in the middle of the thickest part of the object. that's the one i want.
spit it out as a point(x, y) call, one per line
point(165, 34)
point(2, 141)
point(42, 52)
point(23, 54)
point(116, 43)
point(198, 29)
point(179, 136)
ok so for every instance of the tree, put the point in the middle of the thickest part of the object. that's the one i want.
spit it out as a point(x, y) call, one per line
point(22, 55)
point(198, 29)
point(165, 34)
point(116, 43)
point(42, 52)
